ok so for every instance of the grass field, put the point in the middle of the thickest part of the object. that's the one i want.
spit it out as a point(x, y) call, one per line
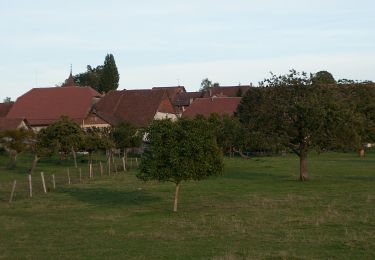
point(256, 210)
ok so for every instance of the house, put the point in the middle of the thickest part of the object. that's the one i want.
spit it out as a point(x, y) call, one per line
point(227, 91)
point(13, 123)
point(4, 108)
point(44, 106)
point(213, 105)
point(183, 100)
point(138, 107)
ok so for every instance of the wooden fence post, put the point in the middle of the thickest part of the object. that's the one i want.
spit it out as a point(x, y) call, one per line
point(90, 169)
point(12, 192)
point(123, 163)
point(43, 182)
point(69, 176)
point(109, 167)
point(53, 181)
point(30, 187)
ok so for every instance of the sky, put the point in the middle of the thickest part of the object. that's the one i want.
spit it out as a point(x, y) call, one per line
point(172, 42)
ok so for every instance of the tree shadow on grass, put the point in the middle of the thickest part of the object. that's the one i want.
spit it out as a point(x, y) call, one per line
point(110, 197)
point(256, 176)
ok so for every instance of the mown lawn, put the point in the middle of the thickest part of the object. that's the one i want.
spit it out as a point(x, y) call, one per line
point(256, 210)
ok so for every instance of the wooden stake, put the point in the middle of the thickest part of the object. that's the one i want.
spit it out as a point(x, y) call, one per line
point(43, 182)
point(30, 187)
point(12, 192)
point(123, 163)
point(80, 175)
point(90, 169)
point(109, 166)
point(68, 176)
point(53, 181)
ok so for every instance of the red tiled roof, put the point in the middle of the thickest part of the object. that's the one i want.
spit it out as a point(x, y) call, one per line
point(137, 107)
point(44, 106)
point(227, 91)
point(4, 108)
point(216, 105)
point(10, 123)
point(183, 99)
point(171, 91)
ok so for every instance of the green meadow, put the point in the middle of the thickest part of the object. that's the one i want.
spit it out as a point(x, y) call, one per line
point(256, 210)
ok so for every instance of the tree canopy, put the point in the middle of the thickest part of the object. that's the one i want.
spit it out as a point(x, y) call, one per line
point(180, 151)
point(323, 78)
point(290, 112)
point(102, 78)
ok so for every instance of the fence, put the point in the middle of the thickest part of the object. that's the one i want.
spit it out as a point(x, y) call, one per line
point(44, 182)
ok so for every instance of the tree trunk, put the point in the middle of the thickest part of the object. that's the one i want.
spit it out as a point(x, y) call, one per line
point(303, 176)
point(176, 197)
point(361, 152)
point(12, 159)
point(33, 165)
point(74, 157)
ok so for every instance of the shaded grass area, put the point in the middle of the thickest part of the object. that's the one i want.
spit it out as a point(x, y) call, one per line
point(256, 210)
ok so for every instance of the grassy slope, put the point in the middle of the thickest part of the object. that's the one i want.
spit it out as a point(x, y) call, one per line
point(256, 210)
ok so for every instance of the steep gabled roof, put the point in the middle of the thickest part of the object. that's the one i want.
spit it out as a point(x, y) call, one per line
point(11, 123)
point(44, 106)
point(227, 91)
point(137, 107)
point(4, 108)
point(183, 99)
point(216, 105)
point(171, 91)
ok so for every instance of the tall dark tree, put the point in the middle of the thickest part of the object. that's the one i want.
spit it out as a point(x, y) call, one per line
point(289, 111)
point(323, 78)
point(180, 151)
point(110, 76)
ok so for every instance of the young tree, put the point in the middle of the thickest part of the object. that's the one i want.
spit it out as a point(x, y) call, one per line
point(15, 142)
point(289, 111)
point(66, 136)
point(180, 151)
point(125, 135)
point(7, 100)
point(110, 76)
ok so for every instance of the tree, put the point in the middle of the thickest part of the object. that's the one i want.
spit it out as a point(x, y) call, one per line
point(125, 135)
point(65, 136)
point(90, 78)
point(206, 84)
point(180, 151)
point(7, 100)
point(110, 76)
point(289, 111)
point(323, 78)
point(15, 142)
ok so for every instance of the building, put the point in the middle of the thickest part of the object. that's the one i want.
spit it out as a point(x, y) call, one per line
point(138, 107)
point(227, 91)
point(13, 123)
point(42, 107)
point(213, 105)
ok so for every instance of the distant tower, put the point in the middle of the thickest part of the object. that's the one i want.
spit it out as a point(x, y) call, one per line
point(69, 82)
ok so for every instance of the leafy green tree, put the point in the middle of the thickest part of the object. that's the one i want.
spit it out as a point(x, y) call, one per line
point(92, 77)
point(15, 141)
point(65, 136)
point(180, 151)
point(110, 76)
point(323, 78)
point(7, 100)
point(229, 133)
point(289, 111)
point(126, 135)
point(206, 84)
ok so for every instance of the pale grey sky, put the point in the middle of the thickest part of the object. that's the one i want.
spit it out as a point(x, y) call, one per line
point(163, 43)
